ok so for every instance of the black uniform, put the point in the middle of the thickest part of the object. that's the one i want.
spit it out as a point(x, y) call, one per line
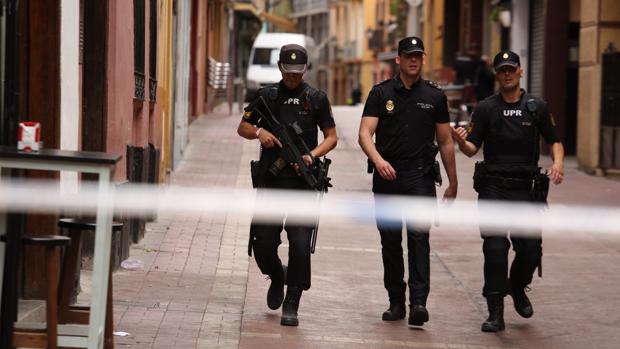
point(405, 138)
point(309, 108)
point(510, 133)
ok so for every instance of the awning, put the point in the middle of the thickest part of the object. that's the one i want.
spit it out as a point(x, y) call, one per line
point(250, 8)
point(247, 7)
point(281, 22)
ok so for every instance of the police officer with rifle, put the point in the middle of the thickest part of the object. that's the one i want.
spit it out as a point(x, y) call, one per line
point(510, 124)
point(284, 118)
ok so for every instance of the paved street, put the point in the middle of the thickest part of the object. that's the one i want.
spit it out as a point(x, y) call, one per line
point(199, 289)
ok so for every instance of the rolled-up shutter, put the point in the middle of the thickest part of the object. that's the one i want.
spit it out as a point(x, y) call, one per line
point(537, 47)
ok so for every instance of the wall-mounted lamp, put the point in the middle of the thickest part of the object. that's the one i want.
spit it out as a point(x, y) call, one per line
point(505, 17)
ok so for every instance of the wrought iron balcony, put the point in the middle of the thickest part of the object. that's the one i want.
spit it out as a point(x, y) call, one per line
point(153, 90)
point(301, 7)
point(139, 86)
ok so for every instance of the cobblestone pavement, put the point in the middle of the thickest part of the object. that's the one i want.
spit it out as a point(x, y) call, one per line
point(199, 289)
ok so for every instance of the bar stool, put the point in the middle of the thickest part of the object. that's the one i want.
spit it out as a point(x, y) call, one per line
point(80, 314)
point(26, 335)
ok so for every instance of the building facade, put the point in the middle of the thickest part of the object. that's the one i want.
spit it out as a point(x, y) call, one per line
point(110, 76)
point(312, 17)
point(598, 141)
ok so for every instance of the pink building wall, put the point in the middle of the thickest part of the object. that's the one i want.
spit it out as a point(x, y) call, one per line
point(128, 119)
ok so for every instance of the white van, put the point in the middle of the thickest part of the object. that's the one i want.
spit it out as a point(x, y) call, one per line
point(263, 68)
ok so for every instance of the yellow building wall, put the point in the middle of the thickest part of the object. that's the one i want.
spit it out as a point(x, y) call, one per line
point(367, 80)
point(164, 84)
point(594, 39)
point(217, 31)
point(200, 61)
point(610, 10)
point(433, 36)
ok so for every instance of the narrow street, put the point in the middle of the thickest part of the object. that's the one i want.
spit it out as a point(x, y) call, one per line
point(200, 289)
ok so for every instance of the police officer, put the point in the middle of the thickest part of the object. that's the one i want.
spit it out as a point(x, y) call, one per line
point(509, 124)
point(291, 100)
point(405, 114)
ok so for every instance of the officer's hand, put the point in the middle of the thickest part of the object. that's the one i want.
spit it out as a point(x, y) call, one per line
point(459, 134)
point(268, 140)
point(450, 194)
point(307, 159)
point(556, 174)
point(386, 171)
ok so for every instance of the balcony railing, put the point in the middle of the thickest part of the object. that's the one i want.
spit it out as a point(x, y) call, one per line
point(309, 6)
point(350, 50)
point(139, 86)
point(152, 90)
point(375, 40)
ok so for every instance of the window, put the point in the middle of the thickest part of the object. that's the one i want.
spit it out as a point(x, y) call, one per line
point(153, 50)
point(138, 47)
point(266, 56)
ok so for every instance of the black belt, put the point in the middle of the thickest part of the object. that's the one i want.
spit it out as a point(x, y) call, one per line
point(418, 164)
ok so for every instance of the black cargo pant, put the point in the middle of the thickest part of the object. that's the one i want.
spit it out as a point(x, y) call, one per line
point(265, 239)
point(526, 244)
point(407, 182)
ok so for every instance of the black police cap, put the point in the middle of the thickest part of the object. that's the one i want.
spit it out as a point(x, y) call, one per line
point(410, 45)
point(506, 58)
point(293, 59)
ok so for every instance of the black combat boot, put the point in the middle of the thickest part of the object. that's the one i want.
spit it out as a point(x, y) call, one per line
point(418, 315)
point(275, 294)
point(495, 322)
point(395, 312)
point(522, 304)
point(290, 306)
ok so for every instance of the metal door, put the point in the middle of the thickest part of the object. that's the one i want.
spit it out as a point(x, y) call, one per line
point(610, 110)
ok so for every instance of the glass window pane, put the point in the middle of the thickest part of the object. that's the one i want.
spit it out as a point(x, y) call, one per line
point(266, 56)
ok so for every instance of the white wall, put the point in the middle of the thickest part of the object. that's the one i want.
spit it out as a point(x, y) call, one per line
point(520, 35)
point(181, 100)
point(69, 84)
point(413, 18)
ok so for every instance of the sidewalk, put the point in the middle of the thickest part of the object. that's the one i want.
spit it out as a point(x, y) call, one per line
point(199, 289)
point(192, 289)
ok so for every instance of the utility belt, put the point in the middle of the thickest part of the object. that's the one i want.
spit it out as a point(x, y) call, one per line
point(425, 166)
point(260, 170)
point(517, 177)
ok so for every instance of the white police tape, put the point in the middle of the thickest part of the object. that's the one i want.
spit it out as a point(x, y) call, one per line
point(303, 207)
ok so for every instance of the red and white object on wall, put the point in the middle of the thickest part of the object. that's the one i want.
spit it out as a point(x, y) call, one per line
point(29, 136)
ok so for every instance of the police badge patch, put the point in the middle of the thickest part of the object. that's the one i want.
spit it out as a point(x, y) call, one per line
point(389, 106)
point(433, 84)
point(247, 115)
